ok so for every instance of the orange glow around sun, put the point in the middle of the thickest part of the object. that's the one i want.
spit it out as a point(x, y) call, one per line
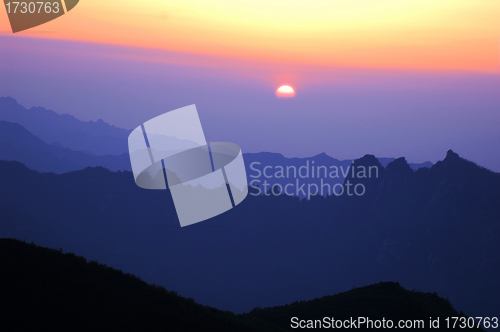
point(285, 91)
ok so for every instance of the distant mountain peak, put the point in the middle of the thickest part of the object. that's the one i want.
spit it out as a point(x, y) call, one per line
point(452, 159)
point(455, 167)
point(397, 174)
point(452, 155)
point(399, 164)
point(367, 160)
point(8, 100)
point(361, 172)
point(400, 161)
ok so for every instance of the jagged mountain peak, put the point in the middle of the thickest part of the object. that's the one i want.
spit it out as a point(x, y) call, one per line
point(451, 155)
point(367, 160)
point(398, 165)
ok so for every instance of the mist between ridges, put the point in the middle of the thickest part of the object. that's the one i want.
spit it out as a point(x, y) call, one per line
point(301, 187)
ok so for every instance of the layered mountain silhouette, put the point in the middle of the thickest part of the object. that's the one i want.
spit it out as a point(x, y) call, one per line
point(17, 143)
point(264, 171)
point(63, 292)
point(434, 230)
point(83, 140)
point(65, 130)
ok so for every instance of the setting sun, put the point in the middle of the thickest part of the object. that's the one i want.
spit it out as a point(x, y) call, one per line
point(285, 91)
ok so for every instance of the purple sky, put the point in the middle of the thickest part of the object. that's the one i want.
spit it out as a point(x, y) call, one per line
point(344, 112)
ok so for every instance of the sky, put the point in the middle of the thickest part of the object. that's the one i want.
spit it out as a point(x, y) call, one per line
point(389, 78)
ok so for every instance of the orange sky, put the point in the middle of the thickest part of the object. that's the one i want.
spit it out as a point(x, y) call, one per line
point(393, 34)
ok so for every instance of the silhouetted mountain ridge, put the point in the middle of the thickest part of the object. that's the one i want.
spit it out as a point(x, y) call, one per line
point(20, 145)
point(63, 292)
point(17, 143)
point(97, 137)
point(382, 301)
point(421, 228)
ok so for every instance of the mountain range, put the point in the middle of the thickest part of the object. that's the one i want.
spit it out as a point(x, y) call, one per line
point(65, 130)
point(17, 143)
point(48, 142)
point(434, 230)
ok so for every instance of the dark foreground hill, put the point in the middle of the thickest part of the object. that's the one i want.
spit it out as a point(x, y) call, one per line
point(383, 306)
point(433, 230)
point(44, 289)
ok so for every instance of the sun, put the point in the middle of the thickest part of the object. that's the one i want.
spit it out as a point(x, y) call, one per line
point(285, 91)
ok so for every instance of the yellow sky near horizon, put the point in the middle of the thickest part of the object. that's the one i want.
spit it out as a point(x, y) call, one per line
point(394, 34)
